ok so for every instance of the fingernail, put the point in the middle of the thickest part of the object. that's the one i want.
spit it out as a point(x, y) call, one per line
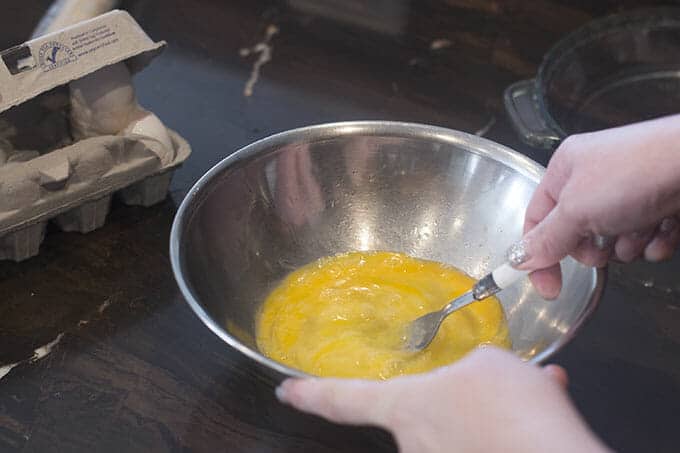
point(517, 253)
point(281, 392)
point(548, 292)
point(655, 251)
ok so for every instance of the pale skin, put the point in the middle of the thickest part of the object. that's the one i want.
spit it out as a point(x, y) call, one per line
point(621, 183)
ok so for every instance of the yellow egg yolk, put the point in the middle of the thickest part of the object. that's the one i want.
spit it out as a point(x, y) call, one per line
point(345, 316)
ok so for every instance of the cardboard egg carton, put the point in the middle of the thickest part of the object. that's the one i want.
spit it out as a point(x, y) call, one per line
point(71, 183)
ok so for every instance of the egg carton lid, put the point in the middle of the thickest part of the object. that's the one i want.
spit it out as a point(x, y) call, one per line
point(55, 59)
point(72, 186)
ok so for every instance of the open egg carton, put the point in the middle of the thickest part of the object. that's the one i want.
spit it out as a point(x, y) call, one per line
point(48, 176)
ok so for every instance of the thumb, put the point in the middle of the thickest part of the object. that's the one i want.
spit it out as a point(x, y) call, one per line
point(348, 401)
point(555, 237)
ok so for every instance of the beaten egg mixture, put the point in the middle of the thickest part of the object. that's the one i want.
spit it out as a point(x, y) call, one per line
point(344, 316)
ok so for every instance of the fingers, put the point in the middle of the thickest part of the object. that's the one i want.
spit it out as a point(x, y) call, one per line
point(540, 205)
point(552, 239)
point(665, 241)
point(592, 253)
point(548, 282)
point(558, 374)
point(545, 197)
point(656, 243)
point(349, 401)
point(631, 246)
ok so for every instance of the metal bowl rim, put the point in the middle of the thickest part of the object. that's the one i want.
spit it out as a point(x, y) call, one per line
point(469, 142)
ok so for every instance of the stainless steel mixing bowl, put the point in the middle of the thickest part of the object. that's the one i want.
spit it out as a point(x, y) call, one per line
point(433, 193)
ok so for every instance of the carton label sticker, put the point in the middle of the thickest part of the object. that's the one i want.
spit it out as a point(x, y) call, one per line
point(53, 55)
point(92, 40)
point(56, 54)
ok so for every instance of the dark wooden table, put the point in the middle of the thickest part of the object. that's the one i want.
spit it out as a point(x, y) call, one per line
point(135, 370)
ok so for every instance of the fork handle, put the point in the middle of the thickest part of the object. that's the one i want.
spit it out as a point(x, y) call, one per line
point(502, 277)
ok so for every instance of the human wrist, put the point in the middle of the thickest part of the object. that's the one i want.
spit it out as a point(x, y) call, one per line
point(664, 149)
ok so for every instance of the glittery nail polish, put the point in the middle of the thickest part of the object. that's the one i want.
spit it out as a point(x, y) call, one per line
point(517, 253)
